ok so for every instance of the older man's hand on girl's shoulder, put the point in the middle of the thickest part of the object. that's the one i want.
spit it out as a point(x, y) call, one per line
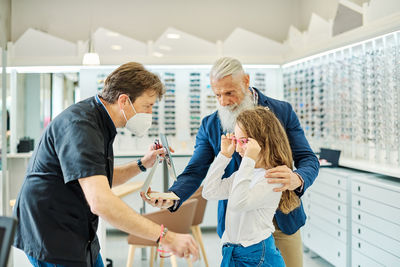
point(285, 176)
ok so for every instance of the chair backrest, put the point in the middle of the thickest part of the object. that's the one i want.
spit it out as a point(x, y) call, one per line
point(7, 230)
point(179, 221)
point(201, 206)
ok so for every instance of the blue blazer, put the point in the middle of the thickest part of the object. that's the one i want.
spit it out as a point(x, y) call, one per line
point(208, 145)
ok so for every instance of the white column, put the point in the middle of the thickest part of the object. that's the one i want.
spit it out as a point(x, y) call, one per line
point(13, 112)
point(57, 95)
point(4, 177)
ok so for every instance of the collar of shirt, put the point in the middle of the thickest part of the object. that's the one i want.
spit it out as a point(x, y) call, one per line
point(104, 107)
point(255, 95)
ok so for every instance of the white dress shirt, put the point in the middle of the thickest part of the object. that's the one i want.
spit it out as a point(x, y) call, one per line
point(251, 200)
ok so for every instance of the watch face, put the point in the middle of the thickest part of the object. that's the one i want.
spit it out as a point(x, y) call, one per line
point(168, 157)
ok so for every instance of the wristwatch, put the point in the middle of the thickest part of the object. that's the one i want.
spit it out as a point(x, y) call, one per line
point(140, 165)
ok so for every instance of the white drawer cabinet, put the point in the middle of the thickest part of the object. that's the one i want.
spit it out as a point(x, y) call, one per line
point(353, 218)
point(375, 220)
point(328, 203)
point(334, 177)
point(332, 217)
point(376, 239)
point(376, 208)
point(329, 191)
point(370, 250)
point(359, 260)
point(381, 191)
point(326, 206)
point(331, 229)
point(377, 224)
point(326, 246)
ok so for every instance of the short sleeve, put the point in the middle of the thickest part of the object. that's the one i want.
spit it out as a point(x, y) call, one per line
point(80, 150)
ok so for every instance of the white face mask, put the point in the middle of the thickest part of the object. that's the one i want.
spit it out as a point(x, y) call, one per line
point(139, 123)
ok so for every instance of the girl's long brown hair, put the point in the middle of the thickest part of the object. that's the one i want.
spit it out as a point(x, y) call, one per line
point(263, 126)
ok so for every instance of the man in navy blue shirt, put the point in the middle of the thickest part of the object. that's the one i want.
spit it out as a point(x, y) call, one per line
point(71, 172)
point(231, 87)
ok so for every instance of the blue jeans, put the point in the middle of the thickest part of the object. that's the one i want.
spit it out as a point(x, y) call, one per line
point(262, 254)
point(38, 263)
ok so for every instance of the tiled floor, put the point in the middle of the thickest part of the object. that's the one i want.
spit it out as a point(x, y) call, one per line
point(117, 250)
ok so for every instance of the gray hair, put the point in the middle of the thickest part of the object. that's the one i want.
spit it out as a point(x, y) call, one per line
point(225, 66)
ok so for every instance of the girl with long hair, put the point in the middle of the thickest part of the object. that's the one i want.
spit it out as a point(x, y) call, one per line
point(262, 143)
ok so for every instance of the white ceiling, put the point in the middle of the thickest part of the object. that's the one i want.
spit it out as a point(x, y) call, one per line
point(142, 20)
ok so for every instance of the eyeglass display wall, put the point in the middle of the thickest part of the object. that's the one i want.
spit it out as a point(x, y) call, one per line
point(195, 101)
point(349, 99)
point(188, 99)
point(169, 103)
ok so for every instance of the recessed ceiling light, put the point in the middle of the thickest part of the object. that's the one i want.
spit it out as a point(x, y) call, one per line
point(157, 54)
point(173, 36)
point(116, 47)
point(165, 47)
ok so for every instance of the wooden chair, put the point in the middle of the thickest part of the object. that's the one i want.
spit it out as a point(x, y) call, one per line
point(198, 219)
point(179, 222)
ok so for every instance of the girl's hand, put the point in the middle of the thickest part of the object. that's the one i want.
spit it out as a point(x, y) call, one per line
point(252, 149)
point(227, 145)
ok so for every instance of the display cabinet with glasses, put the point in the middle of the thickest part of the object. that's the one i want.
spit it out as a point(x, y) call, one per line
point(188, 99)
point(348, 99)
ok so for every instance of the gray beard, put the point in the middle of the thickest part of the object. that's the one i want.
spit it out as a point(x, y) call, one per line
point(228, 114)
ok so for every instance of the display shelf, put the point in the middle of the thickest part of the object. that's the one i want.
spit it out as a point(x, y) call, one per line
point(348, 99)
point(188, 99)
point(19, 155)
point(368, 166)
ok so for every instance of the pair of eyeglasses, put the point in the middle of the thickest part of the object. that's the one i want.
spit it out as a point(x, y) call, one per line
point(240, 141)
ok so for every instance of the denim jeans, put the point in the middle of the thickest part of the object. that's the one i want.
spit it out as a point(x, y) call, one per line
point(262, 254)
point(38, 263)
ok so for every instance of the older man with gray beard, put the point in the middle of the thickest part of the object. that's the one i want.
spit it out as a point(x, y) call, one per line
point(231, 87)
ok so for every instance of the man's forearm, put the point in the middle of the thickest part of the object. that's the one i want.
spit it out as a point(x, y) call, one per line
point(121, 216)
point(125, 172)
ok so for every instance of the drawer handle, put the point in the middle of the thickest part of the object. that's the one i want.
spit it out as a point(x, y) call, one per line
point(359, 202)
point(338, 194)
point(359, 230)
point(338, 234)
point(359, 188)
point(359, 245)
point(338, 181)
point(338, 220)
point(338, 207)
point(338, 254)
point(359, 216)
